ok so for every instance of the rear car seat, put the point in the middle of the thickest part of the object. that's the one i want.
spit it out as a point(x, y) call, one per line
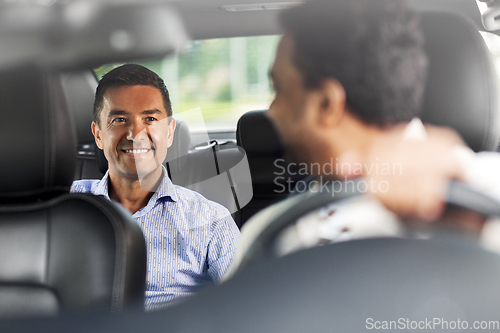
point(79, 88)
point(219, 172)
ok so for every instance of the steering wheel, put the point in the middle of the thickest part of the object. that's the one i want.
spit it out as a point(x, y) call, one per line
point(458, 194)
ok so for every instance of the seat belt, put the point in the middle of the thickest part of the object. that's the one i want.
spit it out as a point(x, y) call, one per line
point(215, 148)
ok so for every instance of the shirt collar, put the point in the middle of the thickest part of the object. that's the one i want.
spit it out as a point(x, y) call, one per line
point(102, 186)
point(166, 188)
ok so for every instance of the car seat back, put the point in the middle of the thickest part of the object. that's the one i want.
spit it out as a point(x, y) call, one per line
point(273, 178)
point(462, 87)
point(58, 251)
point(79, 88)
point(219, 172)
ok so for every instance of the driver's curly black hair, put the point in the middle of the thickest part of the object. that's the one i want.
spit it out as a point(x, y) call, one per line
point(374, 48)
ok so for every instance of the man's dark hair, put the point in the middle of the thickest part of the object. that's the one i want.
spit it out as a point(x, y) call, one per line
point(374, 48)
point(129, 75)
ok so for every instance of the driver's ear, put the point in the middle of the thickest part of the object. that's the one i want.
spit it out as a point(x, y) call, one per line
point(96, 131)
point(332, 102)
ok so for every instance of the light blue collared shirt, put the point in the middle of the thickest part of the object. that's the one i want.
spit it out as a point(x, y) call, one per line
point(191, 241)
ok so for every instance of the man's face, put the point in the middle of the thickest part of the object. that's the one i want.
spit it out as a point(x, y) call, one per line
point(134, 132)
point(290, 108)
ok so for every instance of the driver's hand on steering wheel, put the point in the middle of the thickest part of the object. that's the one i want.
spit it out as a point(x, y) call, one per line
point(421, 166)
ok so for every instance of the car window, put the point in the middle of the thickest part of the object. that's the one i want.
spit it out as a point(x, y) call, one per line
point(223, 78)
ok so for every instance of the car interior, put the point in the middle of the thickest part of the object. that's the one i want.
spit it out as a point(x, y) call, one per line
point(77, 262)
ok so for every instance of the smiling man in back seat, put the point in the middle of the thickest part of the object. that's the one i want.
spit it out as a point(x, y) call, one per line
point(191, 240)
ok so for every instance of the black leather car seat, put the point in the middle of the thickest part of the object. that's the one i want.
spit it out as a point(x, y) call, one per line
point(462, 87)
point(79, 88)
point(220, 173)
point(58, 251)
point(256, 134)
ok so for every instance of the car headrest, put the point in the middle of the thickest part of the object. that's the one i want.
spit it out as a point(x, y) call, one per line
point(38, 139)
point(257, 135)
point(461, 90)
point(179, 148)
point(180, 143)
point(80, 91)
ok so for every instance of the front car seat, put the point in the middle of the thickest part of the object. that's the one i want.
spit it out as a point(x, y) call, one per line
point(58, 251)
point(462, 86)
point(273, 179)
